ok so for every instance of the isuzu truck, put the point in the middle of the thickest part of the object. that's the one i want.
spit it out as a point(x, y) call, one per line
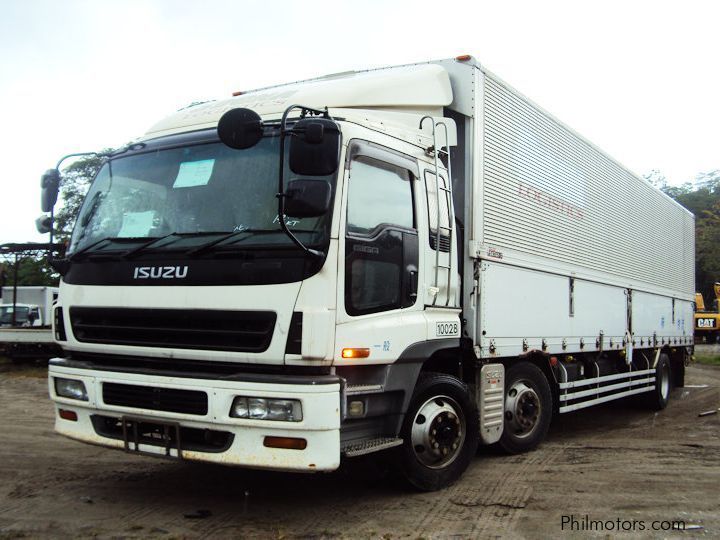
point(415, 260)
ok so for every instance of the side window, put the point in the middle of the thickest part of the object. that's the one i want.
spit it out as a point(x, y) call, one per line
point(432, 194)
point(381, 243)
point(379, 194)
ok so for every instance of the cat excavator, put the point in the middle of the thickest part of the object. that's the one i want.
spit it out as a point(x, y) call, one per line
point(707, 321)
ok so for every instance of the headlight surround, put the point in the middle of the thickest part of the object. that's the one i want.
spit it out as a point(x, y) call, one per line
point(255, 408)
point(71, 389)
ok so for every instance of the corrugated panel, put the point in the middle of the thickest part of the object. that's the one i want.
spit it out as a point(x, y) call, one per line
point(549, 193)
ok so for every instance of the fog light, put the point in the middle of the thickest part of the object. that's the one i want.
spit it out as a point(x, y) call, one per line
point(356, 408)
point(71, 389)
point(284, 410)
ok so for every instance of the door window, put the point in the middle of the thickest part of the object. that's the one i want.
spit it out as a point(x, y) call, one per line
point(381, 242)
point(432, 194)
point(379, 194)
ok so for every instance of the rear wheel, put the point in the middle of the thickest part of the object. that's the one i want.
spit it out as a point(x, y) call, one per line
point(440, 432)
point(528, 408)
point(658, 398)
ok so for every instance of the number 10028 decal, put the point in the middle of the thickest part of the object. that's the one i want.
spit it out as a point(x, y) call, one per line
point(447, 328)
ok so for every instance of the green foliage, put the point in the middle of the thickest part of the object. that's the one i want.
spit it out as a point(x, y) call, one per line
point(709, 358)
point(31, 271)
point(702, 198)
point(76, 179)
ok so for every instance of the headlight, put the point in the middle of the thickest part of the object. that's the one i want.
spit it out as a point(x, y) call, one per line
point(285, 410)
point(70, 388)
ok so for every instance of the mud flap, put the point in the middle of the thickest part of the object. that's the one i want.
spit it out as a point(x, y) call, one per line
point(490, 396)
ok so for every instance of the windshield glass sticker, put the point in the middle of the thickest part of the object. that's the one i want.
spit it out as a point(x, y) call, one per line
point(194, 173)
point(136, 224)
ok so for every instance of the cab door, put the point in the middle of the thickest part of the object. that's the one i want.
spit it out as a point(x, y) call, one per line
point(378, 307)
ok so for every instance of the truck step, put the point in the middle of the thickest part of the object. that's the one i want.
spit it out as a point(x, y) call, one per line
point(355, 389)
point(369, 446)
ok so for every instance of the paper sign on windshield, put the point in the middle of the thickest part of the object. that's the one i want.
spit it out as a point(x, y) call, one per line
point(194, 173)
point(136, 224)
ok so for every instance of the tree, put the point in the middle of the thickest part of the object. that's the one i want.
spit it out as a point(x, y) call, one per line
point(32, 270)
point(36, 271)
point(76, 179)
point(702, 198)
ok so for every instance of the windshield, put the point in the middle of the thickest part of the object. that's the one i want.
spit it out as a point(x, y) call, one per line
point(191, 190)
point(6, 314)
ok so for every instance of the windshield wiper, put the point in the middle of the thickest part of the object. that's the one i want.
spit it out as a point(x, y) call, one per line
point(131, 253)
point(87, 249)
point(205, 247)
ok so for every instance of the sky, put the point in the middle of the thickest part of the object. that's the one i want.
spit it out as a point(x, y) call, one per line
point(640, 79)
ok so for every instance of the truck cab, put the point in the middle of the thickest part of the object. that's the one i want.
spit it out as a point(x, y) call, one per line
point(180, 282)
point(24, 315)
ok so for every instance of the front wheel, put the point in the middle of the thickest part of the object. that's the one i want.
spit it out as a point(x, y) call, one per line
point(528, 408)
point(440, 432)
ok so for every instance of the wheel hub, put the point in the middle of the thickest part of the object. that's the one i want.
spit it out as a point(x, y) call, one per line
point(522, 409)
point(438, 432)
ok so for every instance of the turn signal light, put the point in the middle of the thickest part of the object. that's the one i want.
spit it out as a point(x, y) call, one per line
point(352, 352)
point(463, 58)
point(289, 443)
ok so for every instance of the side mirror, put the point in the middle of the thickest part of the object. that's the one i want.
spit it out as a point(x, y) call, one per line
point(307, 198)
point(43, 224)
point(314, 147)
point(240, 128)
point(50, 186)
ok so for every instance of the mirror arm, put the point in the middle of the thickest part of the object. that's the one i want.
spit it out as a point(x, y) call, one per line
point(281, 183)
point(79, 154)
point(52, 210)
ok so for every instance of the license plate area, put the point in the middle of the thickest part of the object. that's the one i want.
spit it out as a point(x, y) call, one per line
point(137, 431)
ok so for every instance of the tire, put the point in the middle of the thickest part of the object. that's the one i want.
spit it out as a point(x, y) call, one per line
point(441, 403)
point(678, 373)
point(658, 398)
point(528, 408)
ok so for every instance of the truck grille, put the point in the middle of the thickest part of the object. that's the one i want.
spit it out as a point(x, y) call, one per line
point(243, 331)
point(156, 398)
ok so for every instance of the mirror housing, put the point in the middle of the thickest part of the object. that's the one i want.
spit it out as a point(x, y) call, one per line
point(50, 187)
point(240, 128)
point(307, 198)
point(314, 147)
point(44, 224)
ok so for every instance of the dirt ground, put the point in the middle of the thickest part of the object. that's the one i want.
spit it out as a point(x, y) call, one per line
point(616, 462)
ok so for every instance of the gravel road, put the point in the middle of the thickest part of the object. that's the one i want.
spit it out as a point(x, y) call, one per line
point(615, 462)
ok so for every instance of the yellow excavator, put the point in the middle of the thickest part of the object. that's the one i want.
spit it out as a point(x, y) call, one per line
point(707, 321)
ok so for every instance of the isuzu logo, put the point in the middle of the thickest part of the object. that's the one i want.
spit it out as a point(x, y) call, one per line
point(160, 272)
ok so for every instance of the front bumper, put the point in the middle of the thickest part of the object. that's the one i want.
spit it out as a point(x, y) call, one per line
point(246, 438)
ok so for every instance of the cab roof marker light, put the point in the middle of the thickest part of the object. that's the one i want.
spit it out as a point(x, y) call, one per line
point(463, 57)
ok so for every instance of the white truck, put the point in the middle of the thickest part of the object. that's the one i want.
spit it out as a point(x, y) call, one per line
point(31, 305)
point(415, 259)
point(25, 326)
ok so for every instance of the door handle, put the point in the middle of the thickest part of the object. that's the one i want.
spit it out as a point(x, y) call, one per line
point(412, 284)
